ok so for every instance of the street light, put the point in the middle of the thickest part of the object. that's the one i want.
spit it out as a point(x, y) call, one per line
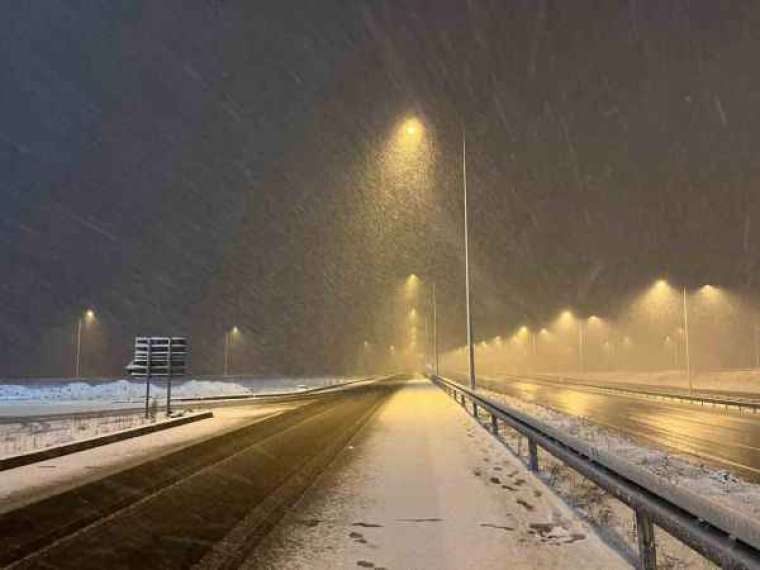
point(413, 130)
point(567, 318)
point(87, 318)
point(234, 331)
point(661, 286)
point(411, 287)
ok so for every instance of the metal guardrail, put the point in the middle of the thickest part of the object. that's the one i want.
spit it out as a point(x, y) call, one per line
point(696, 399)
point(725, 537)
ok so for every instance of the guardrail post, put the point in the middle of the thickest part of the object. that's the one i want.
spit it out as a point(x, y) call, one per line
point(475, 409)
point(533, 452)
point(647, 550)
point(494, 424)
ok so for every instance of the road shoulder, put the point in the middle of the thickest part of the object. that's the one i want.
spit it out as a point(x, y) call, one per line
point(423, 486)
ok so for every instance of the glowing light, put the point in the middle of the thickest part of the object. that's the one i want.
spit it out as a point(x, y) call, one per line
point(89, 314)
point(661, 284)
point(412, 127)
point(235, 330)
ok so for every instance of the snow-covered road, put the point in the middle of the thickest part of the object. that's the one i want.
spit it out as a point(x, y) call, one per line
point(423, 486)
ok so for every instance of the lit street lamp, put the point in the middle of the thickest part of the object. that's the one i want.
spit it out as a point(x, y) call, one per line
point(706, 290)
point(411, 128)
point(411, 287)
point(234, 331)
point(467, 261)
point(88, 317)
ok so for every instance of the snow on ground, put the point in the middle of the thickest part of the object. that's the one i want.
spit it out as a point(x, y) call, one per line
point(123, 390)
point(724, 381)
point(422, 486)
point(716, 485)
point(25, 436)
point(43, 397)
point(23, 485)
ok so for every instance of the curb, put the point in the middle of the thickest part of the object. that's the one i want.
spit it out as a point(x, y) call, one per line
point(67, 448)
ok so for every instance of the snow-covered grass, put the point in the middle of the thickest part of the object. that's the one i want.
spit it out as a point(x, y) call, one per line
point(25, 436)
point(123, 390)
point(614, 518)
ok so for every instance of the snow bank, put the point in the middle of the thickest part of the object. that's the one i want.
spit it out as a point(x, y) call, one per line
point(714, 485)
point(123, 390)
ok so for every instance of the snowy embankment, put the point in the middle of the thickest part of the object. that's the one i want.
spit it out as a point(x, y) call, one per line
point(122, 390)
point(713, 485)
point(723, 381)
point(23, 437)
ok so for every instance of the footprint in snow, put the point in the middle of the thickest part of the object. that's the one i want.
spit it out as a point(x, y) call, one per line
point(525, 504)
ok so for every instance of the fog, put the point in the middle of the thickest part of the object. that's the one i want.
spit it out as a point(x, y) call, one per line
point(683, 332)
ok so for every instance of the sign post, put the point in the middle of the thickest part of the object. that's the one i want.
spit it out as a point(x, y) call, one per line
point(159, 357)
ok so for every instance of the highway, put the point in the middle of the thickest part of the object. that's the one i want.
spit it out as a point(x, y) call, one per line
point(206, 504)
point(723, 438)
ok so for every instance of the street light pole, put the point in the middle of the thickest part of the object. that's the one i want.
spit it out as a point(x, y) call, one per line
point(580, 344)
point(435, 331)
point(226, 353)
point(89, 316)
point(467, 262)
point(79, 348)
point(686, 340)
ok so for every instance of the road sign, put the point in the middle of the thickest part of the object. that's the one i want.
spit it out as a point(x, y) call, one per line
point(159, 357)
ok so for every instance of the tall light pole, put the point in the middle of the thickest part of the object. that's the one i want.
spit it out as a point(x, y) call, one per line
point(467, 262)
point(89, 315)
point(686, 340)
point(227, 339)
point(411, 130)
point(435, 331)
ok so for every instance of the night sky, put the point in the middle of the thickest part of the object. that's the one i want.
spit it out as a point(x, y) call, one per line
point(183, 167)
